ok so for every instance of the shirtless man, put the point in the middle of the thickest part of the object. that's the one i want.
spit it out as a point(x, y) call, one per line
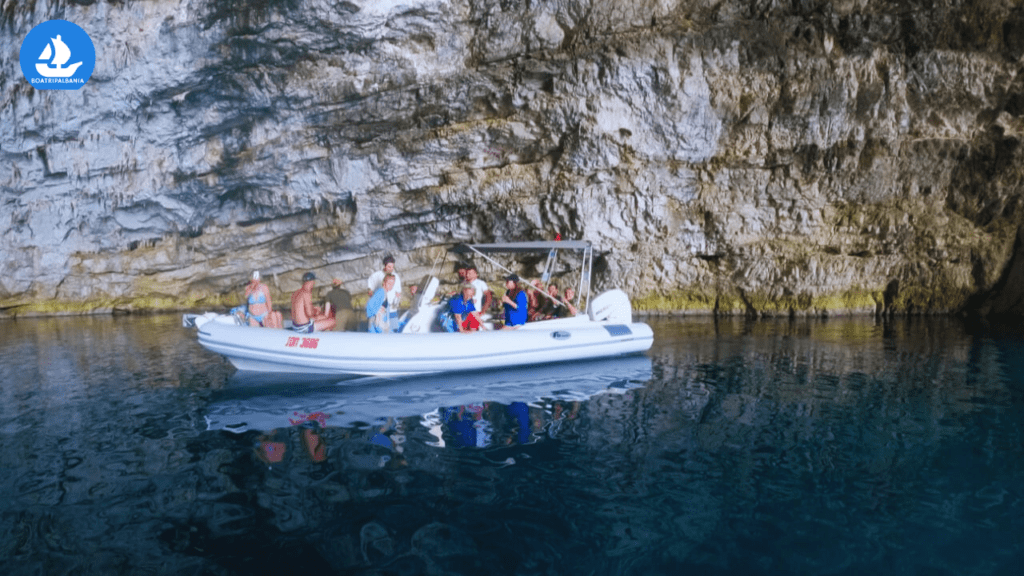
point(307, 318)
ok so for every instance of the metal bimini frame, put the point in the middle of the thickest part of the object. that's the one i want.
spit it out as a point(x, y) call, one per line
point(551, 247)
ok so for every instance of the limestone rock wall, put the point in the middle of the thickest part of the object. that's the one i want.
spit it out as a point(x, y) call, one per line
point(758, 156)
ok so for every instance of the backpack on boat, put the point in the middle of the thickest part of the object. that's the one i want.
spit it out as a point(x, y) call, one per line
point(447, 319)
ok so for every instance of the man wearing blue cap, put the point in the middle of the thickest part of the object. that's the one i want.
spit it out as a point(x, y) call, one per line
point(307, 318)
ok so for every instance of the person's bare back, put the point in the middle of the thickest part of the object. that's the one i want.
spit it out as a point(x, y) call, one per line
point(305, 316)
point(302, 304)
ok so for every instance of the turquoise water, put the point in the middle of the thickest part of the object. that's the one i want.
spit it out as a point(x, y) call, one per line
point(845, 446)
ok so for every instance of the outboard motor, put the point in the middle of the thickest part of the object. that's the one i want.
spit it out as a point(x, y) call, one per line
point(612, 306)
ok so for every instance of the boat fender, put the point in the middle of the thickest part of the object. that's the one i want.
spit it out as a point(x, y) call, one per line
point(197, 320)
point(229, 319)
point(447, 321)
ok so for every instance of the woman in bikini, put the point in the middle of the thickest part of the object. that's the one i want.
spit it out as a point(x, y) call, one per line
point(257, 302)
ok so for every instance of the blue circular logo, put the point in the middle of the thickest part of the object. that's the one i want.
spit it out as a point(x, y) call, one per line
point(57, 55)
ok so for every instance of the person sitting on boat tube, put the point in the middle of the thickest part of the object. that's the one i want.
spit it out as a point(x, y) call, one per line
point(307, 318)
point(257, 304)
point(551, 306)
point(376, 280)
point(567, 309)
point(515, 302)
point(463, 308)
point(378, 307)
point(535, 305)
point(339, 301)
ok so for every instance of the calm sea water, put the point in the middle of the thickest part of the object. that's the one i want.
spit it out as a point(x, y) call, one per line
point(849, 446)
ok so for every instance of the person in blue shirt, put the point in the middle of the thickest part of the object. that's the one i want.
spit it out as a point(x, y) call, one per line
point(378, 308)
point(467, 318)
point(515, 302)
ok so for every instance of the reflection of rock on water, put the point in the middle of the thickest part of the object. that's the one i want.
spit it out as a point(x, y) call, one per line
point(439, 541)
point(375, 542)
point(645, 446)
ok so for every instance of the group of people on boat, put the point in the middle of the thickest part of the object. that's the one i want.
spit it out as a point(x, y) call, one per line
point(337, 313)
point(521, 302)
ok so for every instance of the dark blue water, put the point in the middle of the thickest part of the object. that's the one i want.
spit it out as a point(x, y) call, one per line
point(734, 447)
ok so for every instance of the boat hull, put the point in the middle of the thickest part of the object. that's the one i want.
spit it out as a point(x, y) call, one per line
point(389, 355)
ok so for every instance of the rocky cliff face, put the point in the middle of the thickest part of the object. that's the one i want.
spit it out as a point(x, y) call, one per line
point(758, 156)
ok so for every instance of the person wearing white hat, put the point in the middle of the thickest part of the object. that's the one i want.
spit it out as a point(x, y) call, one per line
point(257, 301)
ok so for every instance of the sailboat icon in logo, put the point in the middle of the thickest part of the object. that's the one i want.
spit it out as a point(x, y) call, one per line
point(60, 55)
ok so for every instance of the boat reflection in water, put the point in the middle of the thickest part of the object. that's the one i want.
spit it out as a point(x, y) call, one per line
point(459, 409)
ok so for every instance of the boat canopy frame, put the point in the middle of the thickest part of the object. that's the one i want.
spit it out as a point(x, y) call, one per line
point(538, 247)
point(551, 247)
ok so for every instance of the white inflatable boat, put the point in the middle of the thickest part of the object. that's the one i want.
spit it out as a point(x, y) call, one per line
point(605, 330)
